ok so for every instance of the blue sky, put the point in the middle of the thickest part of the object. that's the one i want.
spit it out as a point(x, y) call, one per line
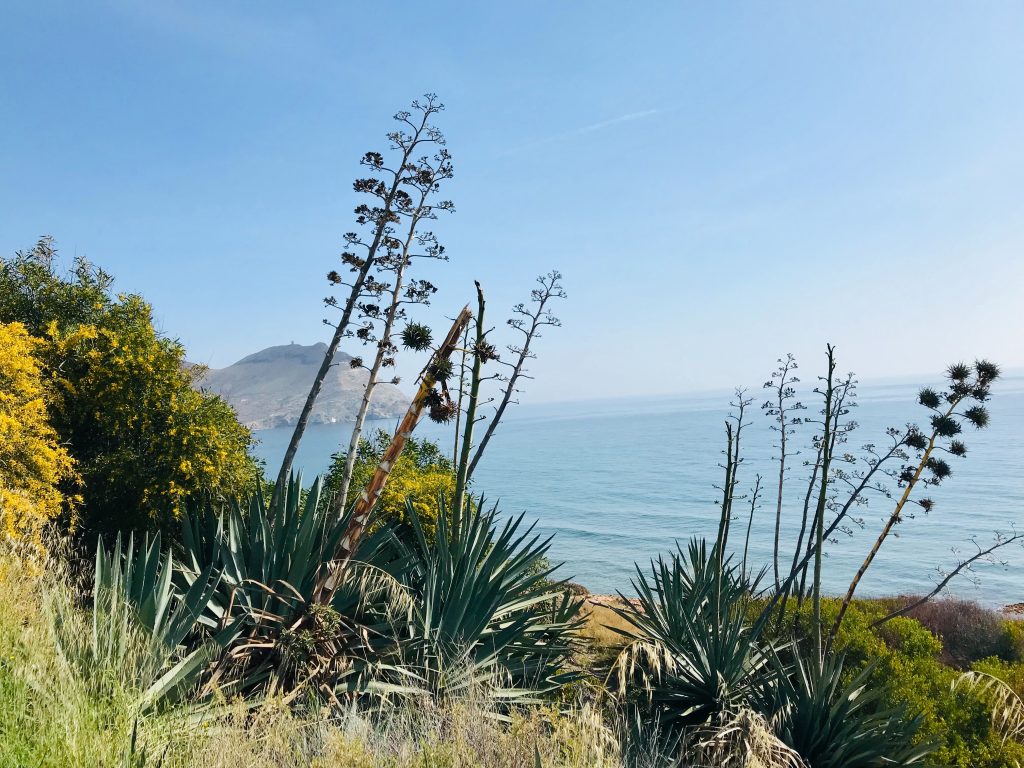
point(720, 183)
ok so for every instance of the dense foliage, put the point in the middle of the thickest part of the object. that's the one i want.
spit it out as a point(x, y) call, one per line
point(33, 464)
point(905, 665)
point(145, 441)
point(420, 476)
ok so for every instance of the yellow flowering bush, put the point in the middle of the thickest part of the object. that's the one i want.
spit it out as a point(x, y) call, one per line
point(33, 463)
point(146, 442)
point(163, 442)
point(420, 474)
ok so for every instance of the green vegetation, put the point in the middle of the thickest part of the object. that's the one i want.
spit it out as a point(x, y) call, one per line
point(420, 477)
point(145, 442)
point(226, 620)
point(33, 463)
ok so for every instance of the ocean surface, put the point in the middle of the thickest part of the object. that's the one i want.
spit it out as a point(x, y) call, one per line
point(617, 482)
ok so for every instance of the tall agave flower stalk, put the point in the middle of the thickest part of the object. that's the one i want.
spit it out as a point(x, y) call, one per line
point(362, 254)
point(426, 397)
point(529, 322)
point(482, 351)
point(965, 385)
point(415, 336)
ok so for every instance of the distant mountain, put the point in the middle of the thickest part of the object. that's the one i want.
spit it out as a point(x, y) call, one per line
point(268, 388)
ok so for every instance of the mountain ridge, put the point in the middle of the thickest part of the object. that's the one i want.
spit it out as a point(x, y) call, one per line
point(268, 388)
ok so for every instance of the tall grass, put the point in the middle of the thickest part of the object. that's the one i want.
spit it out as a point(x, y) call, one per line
point(54, 712)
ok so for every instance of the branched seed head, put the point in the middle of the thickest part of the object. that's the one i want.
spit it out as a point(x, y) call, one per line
point(417, 337)
point(959, 372)
point(916, 440)
point(939, 468)
point(977, 415)
point(440, 407)
point(443, 412)
point(957, 448)
point(356, 362)
point(333, 277)
point(929, 398)
point(945, 426)
point(987, 371)
point(485, 351)
point(441, 370)
point(926, 504)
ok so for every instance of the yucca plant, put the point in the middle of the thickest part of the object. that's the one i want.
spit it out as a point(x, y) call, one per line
point(838, 723)
point(693, 661)
point(269, 559)
point(485, 614)
point(144, 630)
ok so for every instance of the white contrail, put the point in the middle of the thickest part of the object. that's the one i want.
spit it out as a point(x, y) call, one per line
point(629, 117)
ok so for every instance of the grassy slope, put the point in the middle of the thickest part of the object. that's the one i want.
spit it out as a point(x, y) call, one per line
point(54, 714)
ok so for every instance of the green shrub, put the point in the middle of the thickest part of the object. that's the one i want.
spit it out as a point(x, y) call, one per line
point(145, 442)
point(420, 476)
point(910, 671)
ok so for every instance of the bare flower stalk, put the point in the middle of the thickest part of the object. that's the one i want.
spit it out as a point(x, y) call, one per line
point(843, 394)
point(529, 322)
point(754, 495)
point(946, 424)
point(462, 393)
point(367, 500)
point(963, 565)
point(781, 384)
point(426, 178)
point(819, 512)
point(733, 460)
point(481, 353)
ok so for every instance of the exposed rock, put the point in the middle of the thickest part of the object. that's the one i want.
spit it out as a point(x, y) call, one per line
point(267, 389)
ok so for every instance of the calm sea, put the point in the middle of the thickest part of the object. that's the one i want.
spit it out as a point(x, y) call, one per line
point(617, 482)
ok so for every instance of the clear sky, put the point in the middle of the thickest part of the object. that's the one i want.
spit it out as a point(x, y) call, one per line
point(720, 183)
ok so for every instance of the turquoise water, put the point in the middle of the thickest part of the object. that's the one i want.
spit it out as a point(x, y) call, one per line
point(617, 482)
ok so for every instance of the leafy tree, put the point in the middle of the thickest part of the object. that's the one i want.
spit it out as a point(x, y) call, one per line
point(146, 442)
point(33, 463)
point(421, 474)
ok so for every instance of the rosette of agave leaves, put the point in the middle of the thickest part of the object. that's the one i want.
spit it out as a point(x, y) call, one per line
point(231, 611)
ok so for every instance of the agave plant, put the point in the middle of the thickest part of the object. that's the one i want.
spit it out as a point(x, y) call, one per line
point(837, 724)
point(144, 630)
point(485, 615)
point(269, 560)
point(693, 657)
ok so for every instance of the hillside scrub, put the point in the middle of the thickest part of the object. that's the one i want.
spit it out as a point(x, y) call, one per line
point(56, 714)
point(191, 611)
point(120, 397)
point(422, 474)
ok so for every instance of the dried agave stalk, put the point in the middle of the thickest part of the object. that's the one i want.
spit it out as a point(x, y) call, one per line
point(368, 498)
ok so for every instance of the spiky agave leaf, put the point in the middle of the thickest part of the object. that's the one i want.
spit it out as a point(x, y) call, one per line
point(486, 615)
point(143, 627)
point(270, 558)
point(693, 658)
point(837, 723)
